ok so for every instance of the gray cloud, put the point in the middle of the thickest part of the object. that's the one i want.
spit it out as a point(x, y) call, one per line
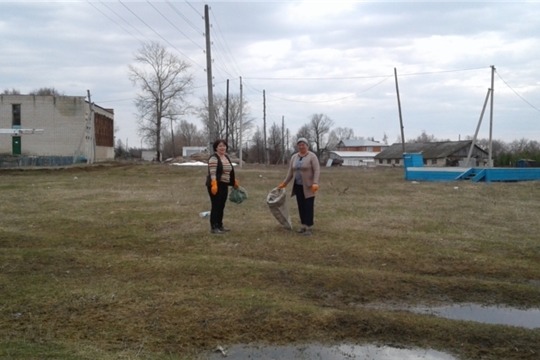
point(442, 52)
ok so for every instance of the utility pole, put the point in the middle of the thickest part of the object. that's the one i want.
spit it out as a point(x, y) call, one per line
point(283, 139)
point(227, 114)
point(92, 137)
point(211, 118)
point(241, 122)
point(264, 128)
point(399, 109)
point(490, 157)
point(477, 129)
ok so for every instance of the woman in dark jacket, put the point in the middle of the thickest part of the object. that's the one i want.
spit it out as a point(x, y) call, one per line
point(220, 177)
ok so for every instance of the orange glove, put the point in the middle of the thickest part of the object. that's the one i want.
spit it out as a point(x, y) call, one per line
point(282, 185)
point(213, 187)
point(314, 188)
point(236, 184)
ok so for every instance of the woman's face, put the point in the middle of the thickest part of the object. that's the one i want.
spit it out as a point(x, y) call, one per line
point(302, 147)
point(221, 148)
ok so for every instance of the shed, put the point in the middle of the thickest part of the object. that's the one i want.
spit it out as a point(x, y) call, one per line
point(187, 151)
point(354, 158)
point(442, 153)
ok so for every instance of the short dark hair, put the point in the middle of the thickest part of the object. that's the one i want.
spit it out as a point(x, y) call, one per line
point(219, 141)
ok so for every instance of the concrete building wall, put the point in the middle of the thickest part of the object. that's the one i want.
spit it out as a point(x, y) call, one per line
point(63, 119)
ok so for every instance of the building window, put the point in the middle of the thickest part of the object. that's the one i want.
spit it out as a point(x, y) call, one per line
point(380, 161)
point(397, 161)
point(16, 110)
point(370, 149)
point(433, 161)
point(388, 161)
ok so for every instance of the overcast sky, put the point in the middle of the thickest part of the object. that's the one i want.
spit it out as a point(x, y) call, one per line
point(331, 57)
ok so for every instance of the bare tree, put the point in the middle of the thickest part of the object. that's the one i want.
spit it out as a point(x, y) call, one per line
point(344, 133)
point(305, 132)
point(11, 92)
point(320, 126)
point(274, 143)
point(189, 134)
point(164, 83)
point(256, 151)
point(228, 126)
point(423, 138)
point(46, 91)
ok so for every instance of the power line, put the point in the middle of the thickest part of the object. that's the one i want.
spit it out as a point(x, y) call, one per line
point(442, 71)
point(183, 17)
point(531, 105)
point(363, 77)
point(326, 101)
point(167, 41)
point(227, 45)
point(108, 17)
point(170, 22)
point(187, 2)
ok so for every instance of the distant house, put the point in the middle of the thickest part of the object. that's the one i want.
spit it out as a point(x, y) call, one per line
point(360, 145)
point(148, 155)
point(353, 158)
point(356, 152)
point(444, 153)
point(187, 151)
point(55, 126)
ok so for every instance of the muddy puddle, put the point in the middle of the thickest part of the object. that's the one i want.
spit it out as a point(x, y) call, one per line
point(529, 319)
point(321, 352)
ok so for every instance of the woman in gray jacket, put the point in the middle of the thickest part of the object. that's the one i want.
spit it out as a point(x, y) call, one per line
point(305, 169)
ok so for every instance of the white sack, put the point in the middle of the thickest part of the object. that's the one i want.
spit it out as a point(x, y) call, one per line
point(277, 202)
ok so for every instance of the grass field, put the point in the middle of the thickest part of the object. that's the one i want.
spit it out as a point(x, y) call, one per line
point(112, 261)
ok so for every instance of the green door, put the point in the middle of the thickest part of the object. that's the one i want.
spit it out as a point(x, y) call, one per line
point(16, 145)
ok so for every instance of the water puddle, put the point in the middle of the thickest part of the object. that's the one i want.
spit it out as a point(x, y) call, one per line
point(321, 352)
point(486, 314)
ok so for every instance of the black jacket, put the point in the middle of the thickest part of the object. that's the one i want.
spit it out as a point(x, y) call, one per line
point(219, 171)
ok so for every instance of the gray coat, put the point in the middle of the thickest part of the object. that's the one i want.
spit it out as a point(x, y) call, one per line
point(310, 171)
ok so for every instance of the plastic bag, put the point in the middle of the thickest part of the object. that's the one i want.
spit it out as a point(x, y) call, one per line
point(238, 195)
point(277, 202)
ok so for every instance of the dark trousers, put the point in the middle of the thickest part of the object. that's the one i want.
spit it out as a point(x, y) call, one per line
point(218, 205)
point(306, 207)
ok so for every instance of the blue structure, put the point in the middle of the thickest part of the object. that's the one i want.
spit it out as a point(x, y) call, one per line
point(415, 171)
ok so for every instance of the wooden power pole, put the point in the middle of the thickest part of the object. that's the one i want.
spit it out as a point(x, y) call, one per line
point(211, 118)
point(400, 118)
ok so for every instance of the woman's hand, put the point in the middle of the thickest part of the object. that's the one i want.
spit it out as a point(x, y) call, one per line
point(236, 184)
point(213, 187)
point(282, 186)
point(314, 188)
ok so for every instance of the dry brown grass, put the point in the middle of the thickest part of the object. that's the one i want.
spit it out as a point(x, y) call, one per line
point(112, 261)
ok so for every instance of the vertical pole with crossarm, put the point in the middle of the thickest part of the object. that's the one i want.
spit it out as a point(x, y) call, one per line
point(211, 122)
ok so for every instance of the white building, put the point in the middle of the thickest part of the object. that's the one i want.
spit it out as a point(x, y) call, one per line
point(187, 151)
point(354, 158)
point(68, 130)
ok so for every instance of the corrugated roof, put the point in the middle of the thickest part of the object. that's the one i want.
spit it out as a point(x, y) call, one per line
point(359, 142)
point(431, 150)
point(354, 154)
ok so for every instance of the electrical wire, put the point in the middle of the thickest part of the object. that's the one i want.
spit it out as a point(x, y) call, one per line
point(184, 17)
point(226, 44)
point(167, 41)
point(332, 100)
point(108, 17)
point(531, 105)
point(172, 24)
point(187, 2)
point(364, 77)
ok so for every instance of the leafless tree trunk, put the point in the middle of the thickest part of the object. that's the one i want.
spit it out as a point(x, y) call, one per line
point(164, 83)
point(220, 118)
